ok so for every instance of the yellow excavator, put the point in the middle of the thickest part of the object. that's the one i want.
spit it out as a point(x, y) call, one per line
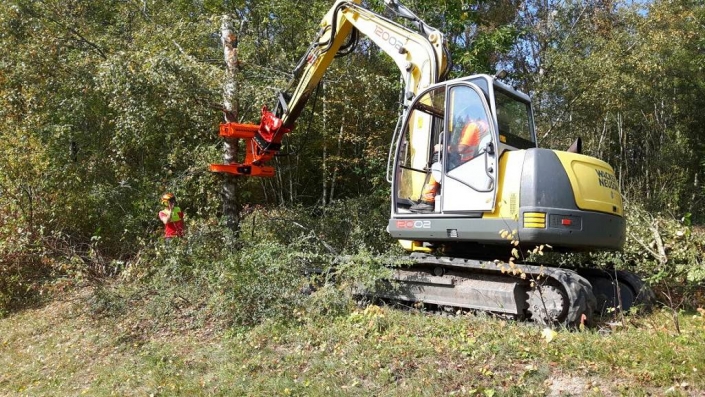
point(505, 194)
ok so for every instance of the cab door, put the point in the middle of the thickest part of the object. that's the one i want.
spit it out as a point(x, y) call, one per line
point(469, 181)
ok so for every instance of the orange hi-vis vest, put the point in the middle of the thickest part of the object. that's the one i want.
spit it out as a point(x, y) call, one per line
point(470, 139)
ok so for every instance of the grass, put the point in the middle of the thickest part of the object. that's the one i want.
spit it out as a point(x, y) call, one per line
point(63, 348)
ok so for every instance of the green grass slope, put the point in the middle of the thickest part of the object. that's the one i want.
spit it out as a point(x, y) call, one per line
point(64, 348)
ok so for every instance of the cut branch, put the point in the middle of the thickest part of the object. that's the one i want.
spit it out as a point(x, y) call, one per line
point(647, 248)
point(659, 244)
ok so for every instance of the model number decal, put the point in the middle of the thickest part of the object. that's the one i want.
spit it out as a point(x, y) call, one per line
point(386, 36)
point(413, 224)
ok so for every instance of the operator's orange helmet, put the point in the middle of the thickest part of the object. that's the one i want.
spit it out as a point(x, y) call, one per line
point(167, 197)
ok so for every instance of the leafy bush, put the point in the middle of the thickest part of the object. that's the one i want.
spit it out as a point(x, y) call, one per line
point(34, 265)
point(343, 227)
point(263, 281)
point(23, 264)
point(667, 252)
point(263, 273)
point(213, 274)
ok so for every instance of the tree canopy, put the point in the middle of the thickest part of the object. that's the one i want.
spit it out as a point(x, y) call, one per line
point(106, 105)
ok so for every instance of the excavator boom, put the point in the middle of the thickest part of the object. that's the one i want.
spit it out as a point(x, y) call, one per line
point(421, 56)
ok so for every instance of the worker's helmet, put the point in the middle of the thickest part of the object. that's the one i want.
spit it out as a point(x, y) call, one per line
point(167, 197)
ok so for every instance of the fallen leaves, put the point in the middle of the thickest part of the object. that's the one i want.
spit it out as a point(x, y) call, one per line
point(549, 334)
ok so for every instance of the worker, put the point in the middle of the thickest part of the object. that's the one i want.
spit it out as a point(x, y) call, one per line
point(172, 217)
point(469, 143)
point(464, 150)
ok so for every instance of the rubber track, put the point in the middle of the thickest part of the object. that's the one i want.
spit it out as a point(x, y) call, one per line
point(644, 295)
point(578, 290)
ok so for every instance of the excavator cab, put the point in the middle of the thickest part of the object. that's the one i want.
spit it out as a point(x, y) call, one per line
point(503, 182)
point(468, 182)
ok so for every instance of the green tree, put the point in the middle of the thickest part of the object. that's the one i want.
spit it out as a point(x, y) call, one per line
point(115, 101)
point(624, 78)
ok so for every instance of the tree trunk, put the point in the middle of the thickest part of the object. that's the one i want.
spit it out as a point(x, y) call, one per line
point(623, 169)
point(231, 205)
point(337, 161)
point(324, 179)
point(694, 196)
point(279, 186)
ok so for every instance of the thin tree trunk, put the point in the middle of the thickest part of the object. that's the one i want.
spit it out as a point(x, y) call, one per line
point(622, 157)
point(231, 206)
point(264, 189)
point(292, 176)
point(602, 137)
point(694, 196)
point(335, 168)
point(280, 181)
point(325, 151)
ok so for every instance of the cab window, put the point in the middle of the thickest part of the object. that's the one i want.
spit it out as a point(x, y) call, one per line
point(421, 133)
point(468, 126)
point(514, 121)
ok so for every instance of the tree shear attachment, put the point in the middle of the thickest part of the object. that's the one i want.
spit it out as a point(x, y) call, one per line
point(261, 142)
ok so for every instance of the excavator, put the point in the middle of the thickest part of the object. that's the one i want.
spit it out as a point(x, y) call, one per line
point(508, 196)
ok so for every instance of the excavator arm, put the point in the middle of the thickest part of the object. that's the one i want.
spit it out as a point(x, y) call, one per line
point(421, 56)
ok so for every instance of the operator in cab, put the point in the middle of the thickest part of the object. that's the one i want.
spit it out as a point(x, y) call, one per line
point(464, 149)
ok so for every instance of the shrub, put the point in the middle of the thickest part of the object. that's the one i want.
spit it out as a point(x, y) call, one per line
point(241, 281)
point(234, 282)
point(343, 227)
point(667, 252)
point(23, 268)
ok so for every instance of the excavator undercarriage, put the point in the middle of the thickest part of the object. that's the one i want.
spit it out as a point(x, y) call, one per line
point(546, 295)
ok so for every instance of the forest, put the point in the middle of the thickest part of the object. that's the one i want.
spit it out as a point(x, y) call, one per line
point(104, 106)
point(107, 105)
